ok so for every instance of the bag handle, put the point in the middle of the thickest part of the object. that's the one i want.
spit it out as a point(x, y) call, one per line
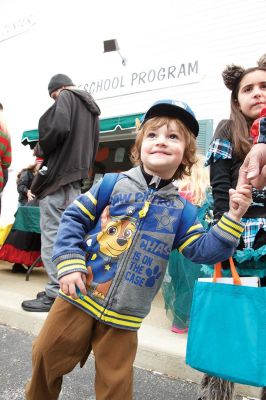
point(218, 272)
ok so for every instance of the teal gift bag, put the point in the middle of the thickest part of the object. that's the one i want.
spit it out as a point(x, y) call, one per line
point(227, 333)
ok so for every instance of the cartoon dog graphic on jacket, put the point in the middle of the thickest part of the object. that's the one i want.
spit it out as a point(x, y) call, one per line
point(114, 239)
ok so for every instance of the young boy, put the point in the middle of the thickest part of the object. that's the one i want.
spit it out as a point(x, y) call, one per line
point(110, 270)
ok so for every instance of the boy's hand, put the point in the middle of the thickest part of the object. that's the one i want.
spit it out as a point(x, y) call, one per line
point(240, 200)
point(68, 284)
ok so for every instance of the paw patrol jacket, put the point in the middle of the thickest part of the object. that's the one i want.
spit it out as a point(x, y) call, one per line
point(124, 251)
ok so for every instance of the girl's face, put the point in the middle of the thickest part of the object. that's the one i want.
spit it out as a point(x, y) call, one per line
point(252, 94)
point(162, 150)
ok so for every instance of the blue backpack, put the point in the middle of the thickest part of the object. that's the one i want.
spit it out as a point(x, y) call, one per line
point(189, 212)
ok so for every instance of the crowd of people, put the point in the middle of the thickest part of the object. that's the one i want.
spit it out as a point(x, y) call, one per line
point(106, 267)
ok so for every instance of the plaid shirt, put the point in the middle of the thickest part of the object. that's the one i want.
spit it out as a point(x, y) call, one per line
point(219, 148)
point(252, 227)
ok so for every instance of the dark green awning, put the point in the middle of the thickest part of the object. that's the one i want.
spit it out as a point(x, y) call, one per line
point(128, 122)
point(122, 122)
point(106, 125)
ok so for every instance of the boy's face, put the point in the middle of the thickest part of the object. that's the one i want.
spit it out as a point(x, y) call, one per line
point(162, 150)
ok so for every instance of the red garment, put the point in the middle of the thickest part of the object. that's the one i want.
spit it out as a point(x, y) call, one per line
point(39, 160)
point(258, 128)
point(5, 152)
point(10, 253)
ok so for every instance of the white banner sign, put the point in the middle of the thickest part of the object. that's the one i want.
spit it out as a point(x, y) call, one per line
point(144, 80)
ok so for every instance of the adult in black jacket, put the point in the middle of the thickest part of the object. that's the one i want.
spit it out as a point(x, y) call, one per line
point(68, 143)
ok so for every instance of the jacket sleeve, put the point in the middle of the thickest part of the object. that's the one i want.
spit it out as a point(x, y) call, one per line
point(219, 158)
point(77, 220)
point(218, 244)
point(95, 143)
point(54, 125)
point(220, 181)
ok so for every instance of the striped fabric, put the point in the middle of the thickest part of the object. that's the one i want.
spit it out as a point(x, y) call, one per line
point(229, 226)
point(5, 151)
point(74, 264)
point(103, 314)
point(226, 228)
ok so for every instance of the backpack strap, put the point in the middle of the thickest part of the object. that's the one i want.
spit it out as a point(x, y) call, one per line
point(188, 217)
point(107, 184)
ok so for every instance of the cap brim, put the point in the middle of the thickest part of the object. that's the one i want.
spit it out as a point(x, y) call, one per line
point(169, 110)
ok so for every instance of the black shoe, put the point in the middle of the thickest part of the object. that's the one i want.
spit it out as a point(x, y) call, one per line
point(40, 294)
point(19, 268)
point(41, 304)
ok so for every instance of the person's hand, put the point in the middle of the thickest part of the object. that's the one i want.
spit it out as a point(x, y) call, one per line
point(239, 202)
point(70, 282)
point(253, 169)
point(30, 195)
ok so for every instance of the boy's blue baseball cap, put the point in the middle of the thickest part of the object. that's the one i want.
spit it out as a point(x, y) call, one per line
point(176, 109)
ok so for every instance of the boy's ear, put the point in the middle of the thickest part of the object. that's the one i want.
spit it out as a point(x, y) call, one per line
point(105, 217)
point(184, 161)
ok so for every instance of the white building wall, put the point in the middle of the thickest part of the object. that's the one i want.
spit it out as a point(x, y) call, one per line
point(67, 37)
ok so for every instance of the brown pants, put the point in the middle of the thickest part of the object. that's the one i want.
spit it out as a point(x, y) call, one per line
point(67, 335)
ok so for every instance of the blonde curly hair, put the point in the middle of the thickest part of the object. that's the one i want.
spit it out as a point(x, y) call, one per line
point(197, 184)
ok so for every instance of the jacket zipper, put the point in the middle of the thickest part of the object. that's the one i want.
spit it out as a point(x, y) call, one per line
point(142, 214)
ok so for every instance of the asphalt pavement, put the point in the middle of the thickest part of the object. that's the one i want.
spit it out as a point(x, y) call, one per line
point(15, 361)
point(160, 368)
